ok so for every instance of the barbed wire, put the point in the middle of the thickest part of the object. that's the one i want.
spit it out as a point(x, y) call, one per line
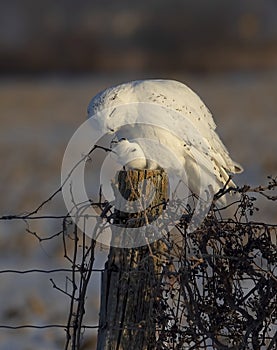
point(45, 326)
point(204, 301)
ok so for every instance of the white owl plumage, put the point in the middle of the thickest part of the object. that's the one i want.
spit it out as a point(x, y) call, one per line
point(159, 123)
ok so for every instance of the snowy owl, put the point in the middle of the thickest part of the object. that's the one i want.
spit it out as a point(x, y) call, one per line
point(163, 124)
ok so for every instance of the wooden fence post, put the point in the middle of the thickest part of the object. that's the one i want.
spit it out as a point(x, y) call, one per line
point(131, 283)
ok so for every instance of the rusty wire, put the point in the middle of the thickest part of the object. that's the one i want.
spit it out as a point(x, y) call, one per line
point(218, 289)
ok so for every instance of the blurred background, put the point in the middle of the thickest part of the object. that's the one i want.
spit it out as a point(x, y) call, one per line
point(104, 36)
point(56, 55)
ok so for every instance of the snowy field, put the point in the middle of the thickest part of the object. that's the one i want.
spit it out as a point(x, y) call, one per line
point(38, 116)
